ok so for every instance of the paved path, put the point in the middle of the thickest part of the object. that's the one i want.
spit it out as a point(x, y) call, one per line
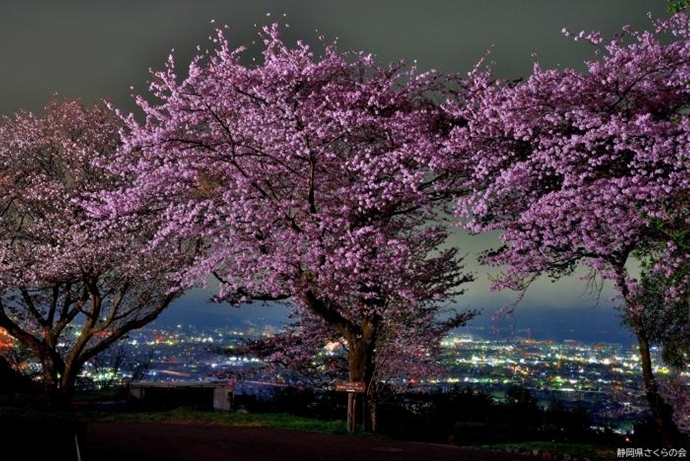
point(123, 441)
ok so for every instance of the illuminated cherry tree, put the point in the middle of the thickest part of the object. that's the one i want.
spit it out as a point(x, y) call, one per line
point(585, 167)
point(306, 177)
point(70, 287)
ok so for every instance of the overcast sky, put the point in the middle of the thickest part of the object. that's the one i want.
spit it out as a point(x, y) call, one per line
point(99, 49)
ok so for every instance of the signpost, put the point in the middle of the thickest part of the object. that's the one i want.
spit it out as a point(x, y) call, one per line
point(352, 388)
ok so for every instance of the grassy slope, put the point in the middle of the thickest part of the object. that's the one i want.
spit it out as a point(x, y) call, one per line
point(182, 416)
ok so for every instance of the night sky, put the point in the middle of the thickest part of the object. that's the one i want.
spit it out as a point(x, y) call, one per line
point(99, 49)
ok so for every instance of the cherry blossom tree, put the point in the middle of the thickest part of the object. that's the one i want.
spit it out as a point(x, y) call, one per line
point(306, 177)
point(69, 287)
point(588, 167)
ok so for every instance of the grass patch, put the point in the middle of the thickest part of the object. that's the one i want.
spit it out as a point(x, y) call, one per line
point(574, 449)
point(185, 416)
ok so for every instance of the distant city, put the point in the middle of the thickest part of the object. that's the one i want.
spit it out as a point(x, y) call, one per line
point(603, 378)
point(565, 319)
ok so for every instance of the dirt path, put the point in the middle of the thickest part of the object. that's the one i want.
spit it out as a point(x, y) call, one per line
point(118, 441)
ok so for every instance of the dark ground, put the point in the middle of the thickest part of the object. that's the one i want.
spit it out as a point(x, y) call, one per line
point(125, 441)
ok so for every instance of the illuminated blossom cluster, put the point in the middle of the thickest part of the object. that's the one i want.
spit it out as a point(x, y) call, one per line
point(573, 165)
point(675, 388)
point(69, 287)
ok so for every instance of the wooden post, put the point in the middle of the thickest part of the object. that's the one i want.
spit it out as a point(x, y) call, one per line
point(351, 412)
point(352, 388)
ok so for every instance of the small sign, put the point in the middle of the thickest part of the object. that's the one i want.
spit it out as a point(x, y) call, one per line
point(350, 386)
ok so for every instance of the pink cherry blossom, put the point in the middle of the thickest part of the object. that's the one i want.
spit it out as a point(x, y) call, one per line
point(69, 286)
point(304, 178)
point(583, 167)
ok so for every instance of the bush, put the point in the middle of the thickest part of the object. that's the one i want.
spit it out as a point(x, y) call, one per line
point(58, 434)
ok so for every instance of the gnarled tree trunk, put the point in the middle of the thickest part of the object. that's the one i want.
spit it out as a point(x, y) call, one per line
point(362, 345)
point(662, 412)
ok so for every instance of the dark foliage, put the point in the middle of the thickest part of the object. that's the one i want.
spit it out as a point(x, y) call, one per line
point(646, 434)
point(467, 417)
point(11, 381)
point(327, 405)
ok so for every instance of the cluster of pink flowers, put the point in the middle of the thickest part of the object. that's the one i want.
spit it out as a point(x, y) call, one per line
point(579, 165)
point(301, 177)
point(583, 166)
point(58, 266)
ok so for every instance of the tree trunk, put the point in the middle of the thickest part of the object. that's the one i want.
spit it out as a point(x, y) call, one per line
point(67, 384)
point(54, 374)
point(372, 404)
point(662, 412)
point(48, 370)
point(361, 369)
